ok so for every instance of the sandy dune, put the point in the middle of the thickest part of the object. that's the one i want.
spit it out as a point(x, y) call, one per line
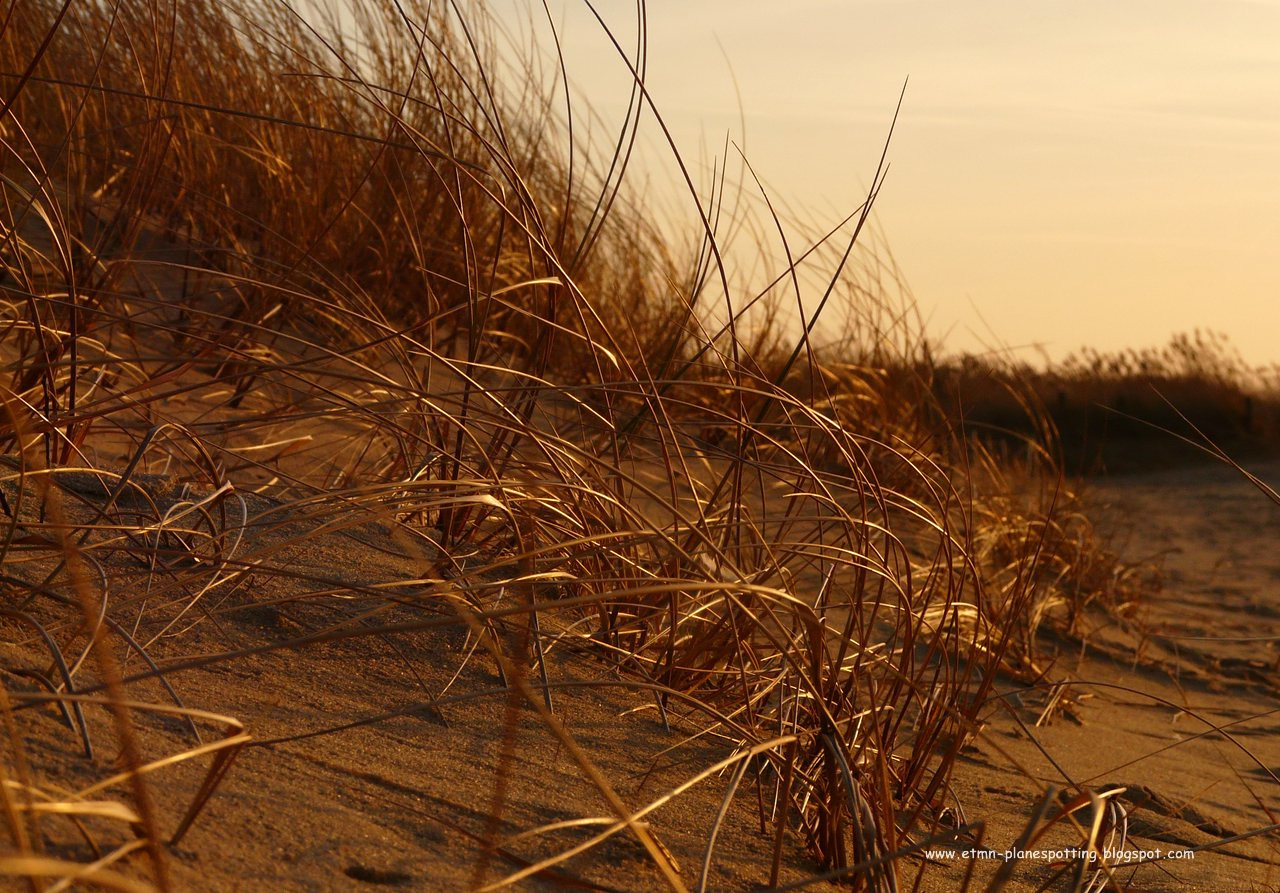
point(1181, 709)
point(1183, 716)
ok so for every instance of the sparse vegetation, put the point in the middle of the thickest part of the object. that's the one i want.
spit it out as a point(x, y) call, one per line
point(271, 284)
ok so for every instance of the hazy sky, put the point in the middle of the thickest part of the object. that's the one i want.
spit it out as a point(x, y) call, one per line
point(1103, 173)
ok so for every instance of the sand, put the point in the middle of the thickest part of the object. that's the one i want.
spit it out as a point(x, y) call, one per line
point(1181, 709)
point(439, 756)
point(405, 800)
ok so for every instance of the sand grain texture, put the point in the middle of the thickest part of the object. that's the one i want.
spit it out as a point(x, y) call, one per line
point(1184, 711)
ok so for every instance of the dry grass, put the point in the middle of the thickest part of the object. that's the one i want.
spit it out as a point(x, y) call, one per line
point(1116, 412)
point(256, 271)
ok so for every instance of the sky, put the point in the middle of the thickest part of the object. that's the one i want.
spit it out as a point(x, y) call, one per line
point(1061, 174)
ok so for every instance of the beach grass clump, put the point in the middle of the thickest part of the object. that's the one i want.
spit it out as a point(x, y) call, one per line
point(268, 278)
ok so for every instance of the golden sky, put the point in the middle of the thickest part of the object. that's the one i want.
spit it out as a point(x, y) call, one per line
point(1062, 174)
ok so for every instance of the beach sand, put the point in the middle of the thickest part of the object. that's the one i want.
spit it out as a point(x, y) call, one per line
point(1180, 709)
point(439, 756)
